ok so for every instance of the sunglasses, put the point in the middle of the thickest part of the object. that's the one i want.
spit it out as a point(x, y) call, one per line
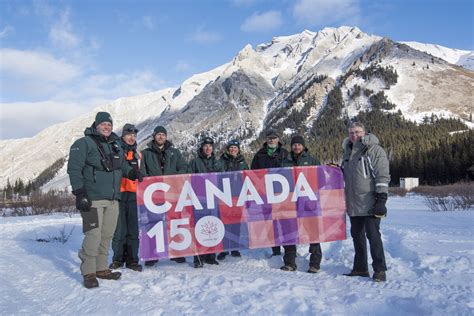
point(132, 130)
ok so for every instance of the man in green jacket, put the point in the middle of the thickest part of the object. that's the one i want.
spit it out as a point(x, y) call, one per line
point(299, 156)
point(205, 161)
point(95, 167)
point(366, 175)
point(160, 158)
point(233, 161)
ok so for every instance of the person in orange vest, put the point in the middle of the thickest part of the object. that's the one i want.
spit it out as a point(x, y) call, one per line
point(125, 242)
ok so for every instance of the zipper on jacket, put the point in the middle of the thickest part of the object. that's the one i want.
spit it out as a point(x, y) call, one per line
point(362, 160)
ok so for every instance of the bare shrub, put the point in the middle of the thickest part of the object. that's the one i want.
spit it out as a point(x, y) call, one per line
point(397, 191)
point(41, 203)
point(459, 196)
point(50, 202)
point(63, 236)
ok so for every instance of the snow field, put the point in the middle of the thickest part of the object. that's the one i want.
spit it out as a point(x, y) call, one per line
point(429, 255)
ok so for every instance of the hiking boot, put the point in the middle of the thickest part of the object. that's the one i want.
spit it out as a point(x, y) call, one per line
point(115, 265)
point(108, 275)
point(134, 266)
point(357, 273)
point(288, 268)
point(179, 260)
point(211, 261)
point(90, 281)
point(198, 264)
point(235, 253)
point(313, 270)
point(150, 263)
point(379, 276)
point(222, 255)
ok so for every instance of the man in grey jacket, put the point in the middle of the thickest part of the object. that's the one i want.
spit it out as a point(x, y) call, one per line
point(366, 175)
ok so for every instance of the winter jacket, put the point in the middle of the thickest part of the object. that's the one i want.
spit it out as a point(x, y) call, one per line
point(262, 160)
point(233, 164)
point(202, 164)
point(156, 162)
point(304, 159)
point(86, 170)
point(366, 172)
point(132, 157)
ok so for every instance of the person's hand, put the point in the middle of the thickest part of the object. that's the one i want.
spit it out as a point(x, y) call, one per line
point(83, 203)
point(332, 164)
point(135, 175)
point(380, 210)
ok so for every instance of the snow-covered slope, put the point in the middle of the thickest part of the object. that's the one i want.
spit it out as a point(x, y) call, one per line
point(238, 98)
point(429, 256)
point(459, 57)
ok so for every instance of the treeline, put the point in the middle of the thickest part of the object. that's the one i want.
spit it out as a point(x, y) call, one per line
point(21, 188)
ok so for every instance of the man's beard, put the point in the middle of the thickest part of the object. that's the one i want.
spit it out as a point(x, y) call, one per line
point(272, 145)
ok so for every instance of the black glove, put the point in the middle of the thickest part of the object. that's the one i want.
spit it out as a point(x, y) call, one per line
point(135, 175)
point(380, 210)
point(83, 203)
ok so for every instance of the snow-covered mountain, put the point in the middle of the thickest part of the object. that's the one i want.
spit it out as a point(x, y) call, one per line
point(459, 57)
point(243, 96)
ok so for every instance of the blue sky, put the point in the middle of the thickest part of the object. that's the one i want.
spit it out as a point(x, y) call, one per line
point(59, 59)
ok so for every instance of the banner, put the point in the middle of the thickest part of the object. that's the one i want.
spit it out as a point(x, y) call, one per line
point(191, 214)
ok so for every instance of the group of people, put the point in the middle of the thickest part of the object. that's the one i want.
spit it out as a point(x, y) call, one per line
point(104, 168)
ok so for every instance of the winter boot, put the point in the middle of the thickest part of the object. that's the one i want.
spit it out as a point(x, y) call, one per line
point(222, 255)
point(90, 281)
point(211, 261)
point(134, 266)
point(379, 276)
point(115, 265)
point(179, 260)
point(313, 269)
point(288, 268)
point(357, 273)
point(235, 253)
point(197, 262)
point(150, 263)
point(108, 275)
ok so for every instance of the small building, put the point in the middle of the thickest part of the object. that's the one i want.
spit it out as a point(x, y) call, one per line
point(408, 183)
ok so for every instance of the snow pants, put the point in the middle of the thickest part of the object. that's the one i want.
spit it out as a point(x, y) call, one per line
point(98, 226)
point(125, 242)
point(362, 226)
point(314, 260)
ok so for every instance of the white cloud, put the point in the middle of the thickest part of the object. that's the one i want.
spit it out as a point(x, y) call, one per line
point(265, 22)
point(204, 37)
point(61, 33)
point(326, 12)
point(37, 66)
point(24, 119)
point(148, 22)
point(7, 30)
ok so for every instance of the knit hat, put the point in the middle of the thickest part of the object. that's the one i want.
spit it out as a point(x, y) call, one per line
point(207, 140)
point(297, 140)
point(160, 129)
point(233, 142)
point(129, 129)
point(102, 117)
point(271, 133)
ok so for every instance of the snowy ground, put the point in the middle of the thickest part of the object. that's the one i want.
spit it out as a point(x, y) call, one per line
point(430, 258)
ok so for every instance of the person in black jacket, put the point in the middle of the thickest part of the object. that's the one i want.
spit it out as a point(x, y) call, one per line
point(299, 156)
point(271, 155)
point(233, 161)
point(160, 158)
point(205, 161)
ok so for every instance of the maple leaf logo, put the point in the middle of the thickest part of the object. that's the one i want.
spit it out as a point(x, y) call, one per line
point(209, 228)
